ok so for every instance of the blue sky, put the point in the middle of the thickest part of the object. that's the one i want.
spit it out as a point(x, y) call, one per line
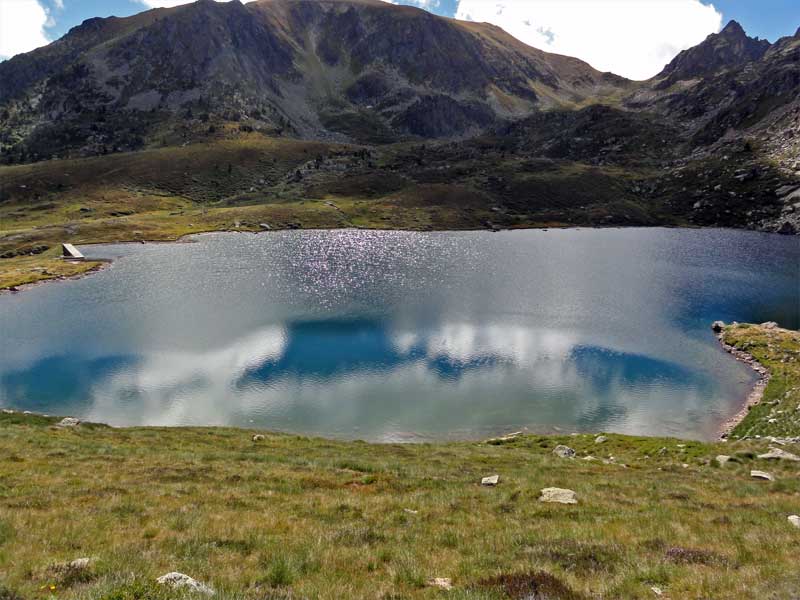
point(602, 32)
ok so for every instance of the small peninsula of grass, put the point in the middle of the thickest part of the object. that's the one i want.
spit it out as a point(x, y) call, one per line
point(284, 516)
point(778, 413)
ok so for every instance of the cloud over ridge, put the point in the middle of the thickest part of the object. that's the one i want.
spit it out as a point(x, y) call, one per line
point(630, 38)
point(22, 24)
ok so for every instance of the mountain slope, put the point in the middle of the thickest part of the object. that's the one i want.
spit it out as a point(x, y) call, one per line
point(341, 69)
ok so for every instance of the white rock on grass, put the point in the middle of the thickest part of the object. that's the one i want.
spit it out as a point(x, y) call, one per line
point(795, 520)
point(69, 422)
point(778, 454)
point(179, 580)
point(258, 438)
point(79, 564)
point(558, 495)
point(491, 481)
point(564, 451)
point(72, 567)
point(762, 475)
point(722, 459)
point(443, 583)
point(600, 439)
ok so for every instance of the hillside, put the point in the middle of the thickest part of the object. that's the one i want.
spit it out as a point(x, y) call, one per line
point(330, 69)
point(284, 516)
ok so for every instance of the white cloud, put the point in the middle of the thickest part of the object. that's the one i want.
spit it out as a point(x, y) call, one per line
point(426, 4)
point(167, 3)
point(632, 38)
point(22, 25)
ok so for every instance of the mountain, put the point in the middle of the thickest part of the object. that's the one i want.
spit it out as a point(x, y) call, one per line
point(409, 119)
point(327, 69)
point(729, 48)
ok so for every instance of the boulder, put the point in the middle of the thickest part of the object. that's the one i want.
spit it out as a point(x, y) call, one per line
point(722, 459)
point(778, 454)
point(558, 495)
point(600, 439)
point(769, 325)
point(795, 520)
point(717, 326)
point(564, 451)
point(491, 481)
point(762, 475)
point(69, 422)
point(180, 581)
point(258, 438)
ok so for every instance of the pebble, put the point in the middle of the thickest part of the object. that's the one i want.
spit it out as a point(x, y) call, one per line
point(564, 451)
point(490, 481)
point(79, 564)
point(443, 583)
point(179, 580)
point(558, 495)
point(762, 475)
point(778, 454)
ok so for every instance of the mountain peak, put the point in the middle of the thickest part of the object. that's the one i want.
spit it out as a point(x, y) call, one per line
point(733, 28)
point(729, 48)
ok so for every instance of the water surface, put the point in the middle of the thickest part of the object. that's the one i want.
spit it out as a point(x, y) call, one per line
point(403, 336)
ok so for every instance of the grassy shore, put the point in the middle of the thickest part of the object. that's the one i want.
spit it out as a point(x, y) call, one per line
point(292, 517)
point(778, 413)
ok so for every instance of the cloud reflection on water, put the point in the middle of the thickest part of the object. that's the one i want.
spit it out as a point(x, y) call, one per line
point(325, 376)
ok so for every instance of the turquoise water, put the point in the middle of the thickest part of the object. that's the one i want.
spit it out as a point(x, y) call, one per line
point(401, 336)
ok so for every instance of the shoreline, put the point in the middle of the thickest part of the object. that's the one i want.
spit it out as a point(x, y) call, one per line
point(185, 238)
point(756, 394)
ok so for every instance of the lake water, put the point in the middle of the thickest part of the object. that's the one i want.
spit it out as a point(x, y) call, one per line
point(400, 336)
